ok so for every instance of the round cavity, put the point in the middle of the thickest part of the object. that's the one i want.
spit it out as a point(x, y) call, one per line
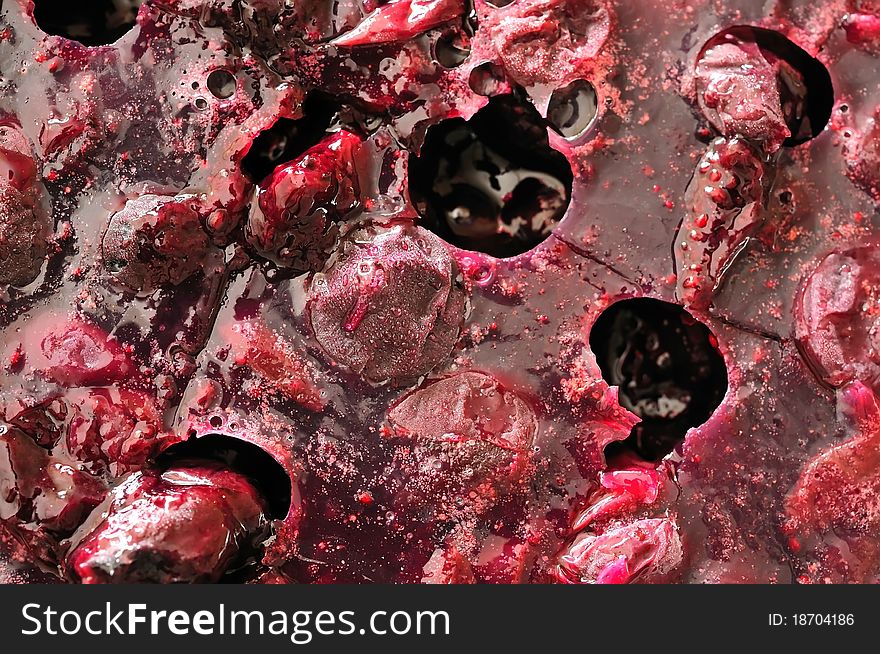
point(667, 367)
point(267, 475)
point(491, 184)
point(90, 22)
point(573, 109)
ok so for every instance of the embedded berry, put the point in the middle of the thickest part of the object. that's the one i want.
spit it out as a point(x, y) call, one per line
point(391, 305)
point(113, 431)
point(38, 489)
point(17, 165)
point(23, 238)
point(277, 363)
point(644, 551)
point(836, 317)
point(294, 221)
point(725, 202)
point(79, 353)
point(190, 523)
point(744, 90)
point(461, 434)
point(863, 30)
point(74, 352)
point(549, 41)
point(833, 515)
point(155, 241)
point(623, 489)
point(838, 489)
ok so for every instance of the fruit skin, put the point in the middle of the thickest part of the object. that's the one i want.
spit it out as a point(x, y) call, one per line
point(74, 352)
point(23, 238)
point(400, 20)
point(832, 512)
point(623, 490)
point(863, 159)
point(390, 306)
point(549, 41)
point(725, 202)
point(836, 317)
point(43, 497)
point(294, 222)
point(739, 92)
point(156, 241)
point(187, 524)
point(459, 435)
point(645, 551)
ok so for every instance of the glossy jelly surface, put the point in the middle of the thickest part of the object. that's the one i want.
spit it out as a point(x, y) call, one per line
point(305, 292)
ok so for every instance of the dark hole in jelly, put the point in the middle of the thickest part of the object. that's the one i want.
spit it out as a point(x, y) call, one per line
point(491, 184)
point(287, 139)
point(90, 22)
point(487, 79)
point(221, 83)
point(667, 367)
point(573, 108)
point(267, 475)
point(819, 99)
point(452, 48)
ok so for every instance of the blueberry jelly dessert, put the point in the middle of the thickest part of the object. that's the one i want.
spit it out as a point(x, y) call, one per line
point(439, 291)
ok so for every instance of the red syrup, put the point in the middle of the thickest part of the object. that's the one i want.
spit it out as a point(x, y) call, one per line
point(325, 278)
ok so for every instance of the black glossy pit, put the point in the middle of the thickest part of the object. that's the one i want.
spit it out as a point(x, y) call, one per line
point(452, 48)
point(667, 367)
point(266, 474)
point(487, 79)
point(491, 184)
point(222, 83)
point(287, 139)
point(90, 22)
point(573, 109)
